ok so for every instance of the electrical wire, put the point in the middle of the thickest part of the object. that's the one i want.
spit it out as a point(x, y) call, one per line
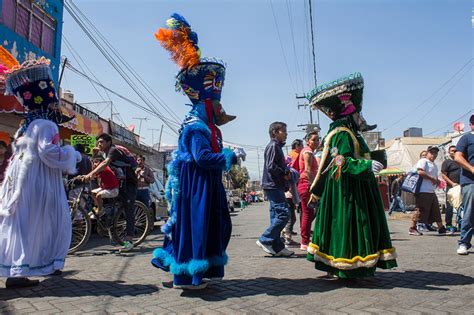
point(429, 97)
point(281, 46)
point(128, 67)
point(454, 121)
point(425, 114)
point(117, 67)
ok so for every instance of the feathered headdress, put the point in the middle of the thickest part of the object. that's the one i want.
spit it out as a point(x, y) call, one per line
point(180, 41)
point(7, 62)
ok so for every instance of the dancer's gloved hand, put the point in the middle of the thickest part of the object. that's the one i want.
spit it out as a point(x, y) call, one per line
point(376, 166)
point(240, 153)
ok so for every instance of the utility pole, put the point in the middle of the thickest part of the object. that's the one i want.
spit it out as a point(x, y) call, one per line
point(153, 136)
point(141, 119)
point(311, 125)
point(159, 142)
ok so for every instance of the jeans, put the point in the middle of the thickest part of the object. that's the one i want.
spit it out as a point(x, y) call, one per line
point(467, 225)
point(397, 203)
point(143, 195)
point(129, 194)
point(291, 222)
point(279, 216)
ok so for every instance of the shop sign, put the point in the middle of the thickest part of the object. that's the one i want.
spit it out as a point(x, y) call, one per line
point(88, 142)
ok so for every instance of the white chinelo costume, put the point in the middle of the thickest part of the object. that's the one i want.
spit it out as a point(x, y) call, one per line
point(35, 223)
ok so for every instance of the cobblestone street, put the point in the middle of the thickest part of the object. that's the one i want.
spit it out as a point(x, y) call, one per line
point(430, 279)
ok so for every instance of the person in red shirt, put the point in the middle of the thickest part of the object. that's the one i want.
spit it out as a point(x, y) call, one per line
point(108, 184)
point(308, 167)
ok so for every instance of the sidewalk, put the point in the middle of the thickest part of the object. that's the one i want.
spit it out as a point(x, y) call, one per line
point(431, 279)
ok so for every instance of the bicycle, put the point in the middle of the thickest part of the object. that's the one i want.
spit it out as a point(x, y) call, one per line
point(111, 223)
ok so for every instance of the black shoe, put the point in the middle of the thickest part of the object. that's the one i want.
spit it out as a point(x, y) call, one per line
point(56, 273)
point(14, 283)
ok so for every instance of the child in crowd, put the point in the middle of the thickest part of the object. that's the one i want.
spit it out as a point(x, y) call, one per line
point(108, 184)
point(275, 181)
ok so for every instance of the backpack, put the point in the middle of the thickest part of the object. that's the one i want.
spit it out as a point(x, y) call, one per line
point(125, 170)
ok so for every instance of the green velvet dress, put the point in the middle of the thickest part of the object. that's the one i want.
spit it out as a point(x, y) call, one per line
point(351, 236)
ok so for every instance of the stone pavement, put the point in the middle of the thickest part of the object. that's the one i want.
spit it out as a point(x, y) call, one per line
point(431, 279)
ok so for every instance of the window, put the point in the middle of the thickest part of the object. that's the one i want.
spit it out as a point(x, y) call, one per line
point(30, 21)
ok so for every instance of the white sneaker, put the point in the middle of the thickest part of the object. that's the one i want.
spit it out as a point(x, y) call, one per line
point(266, 248)
point(462, 249)
point(284, 253)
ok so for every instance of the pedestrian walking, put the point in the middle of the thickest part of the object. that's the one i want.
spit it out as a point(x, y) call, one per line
point(35, 223)
point(145, 178)
point(199, 228)
point(465, 157)
point(275, 181)
point(395, 191)
point(308, 167)
point(426, 200)
point(451, 173)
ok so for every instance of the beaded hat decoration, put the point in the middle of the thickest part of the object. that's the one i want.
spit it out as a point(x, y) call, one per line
point(338, 98)
point(199, 79)
point(31, 83)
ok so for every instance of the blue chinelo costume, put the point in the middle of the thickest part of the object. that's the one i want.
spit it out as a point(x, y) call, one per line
point(199, 227)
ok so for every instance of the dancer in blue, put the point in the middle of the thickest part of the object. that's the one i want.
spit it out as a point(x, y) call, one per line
point(199, 227)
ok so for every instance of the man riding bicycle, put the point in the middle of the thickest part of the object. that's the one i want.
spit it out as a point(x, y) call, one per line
point(121, 160)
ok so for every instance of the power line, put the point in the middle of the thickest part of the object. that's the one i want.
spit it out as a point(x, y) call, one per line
point(281, 46)
point(127, 65)
point(423, 117)
point(447, 125)
point(76, 71)
point(429, 97)
point(290, 19)
point(115, 65)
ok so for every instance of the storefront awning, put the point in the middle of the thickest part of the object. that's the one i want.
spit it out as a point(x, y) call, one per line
point(9, 104)
point(82, 124)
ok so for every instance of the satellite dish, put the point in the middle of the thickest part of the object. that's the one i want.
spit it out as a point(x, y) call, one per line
point(458, 126)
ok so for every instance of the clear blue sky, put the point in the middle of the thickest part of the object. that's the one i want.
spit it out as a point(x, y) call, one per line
point(406, 51)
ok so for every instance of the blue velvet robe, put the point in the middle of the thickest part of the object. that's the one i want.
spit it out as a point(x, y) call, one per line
point(199, 227)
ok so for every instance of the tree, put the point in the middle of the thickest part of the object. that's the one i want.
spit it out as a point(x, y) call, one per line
point(239, 176)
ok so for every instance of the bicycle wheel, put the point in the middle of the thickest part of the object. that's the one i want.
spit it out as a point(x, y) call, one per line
point(143, 222)
point(81, 227)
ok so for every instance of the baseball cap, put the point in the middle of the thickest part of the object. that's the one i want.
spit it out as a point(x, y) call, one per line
point(432, 148)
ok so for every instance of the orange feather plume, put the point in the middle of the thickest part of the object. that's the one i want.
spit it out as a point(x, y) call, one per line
point(7, 59)
point(177, 42)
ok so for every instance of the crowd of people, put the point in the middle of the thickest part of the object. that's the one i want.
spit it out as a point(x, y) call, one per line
point(343, 226)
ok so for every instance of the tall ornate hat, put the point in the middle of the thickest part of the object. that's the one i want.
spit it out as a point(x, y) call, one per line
point(31, 83)
point(200, 79)
point(338, 98)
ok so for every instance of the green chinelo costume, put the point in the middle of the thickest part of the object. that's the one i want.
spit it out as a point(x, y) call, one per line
point(351, 236)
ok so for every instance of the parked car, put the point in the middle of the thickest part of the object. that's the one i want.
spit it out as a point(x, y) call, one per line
point(159, 205)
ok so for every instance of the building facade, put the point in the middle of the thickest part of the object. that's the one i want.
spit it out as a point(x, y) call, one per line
point(31, 29)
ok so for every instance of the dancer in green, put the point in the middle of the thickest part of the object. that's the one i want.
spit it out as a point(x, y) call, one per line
point(351, 236)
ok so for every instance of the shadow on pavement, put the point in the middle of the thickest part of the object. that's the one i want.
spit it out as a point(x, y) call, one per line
point(60, 286)
point(410, 279)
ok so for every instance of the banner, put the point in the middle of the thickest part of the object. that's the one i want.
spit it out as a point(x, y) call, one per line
point(87, 141)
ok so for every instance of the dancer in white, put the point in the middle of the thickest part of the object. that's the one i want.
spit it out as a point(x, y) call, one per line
point(35, 223)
